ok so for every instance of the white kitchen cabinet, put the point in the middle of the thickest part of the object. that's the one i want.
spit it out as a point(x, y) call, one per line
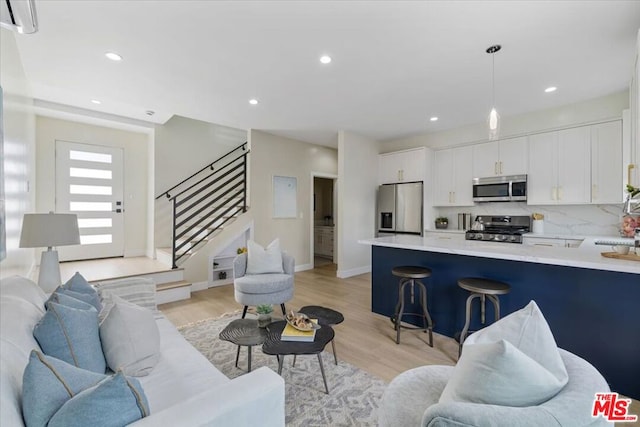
point(442, 235)
point(504, 157)
point(402, 166)
point(453, 177)
point(551, 241)
point(323, 241)
point(560, 167)
point(606, 163)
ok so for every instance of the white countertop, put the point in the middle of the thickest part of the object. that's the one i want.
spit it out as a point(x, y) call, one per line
point(586, 256)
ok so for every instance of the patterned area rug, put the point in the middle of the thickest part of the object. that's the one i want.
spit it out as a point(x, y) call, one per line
point(354, 394)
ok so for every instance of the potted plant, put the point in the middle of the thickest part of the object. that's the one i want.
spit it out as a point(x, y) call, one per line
point(264, 314)
point(442, 222)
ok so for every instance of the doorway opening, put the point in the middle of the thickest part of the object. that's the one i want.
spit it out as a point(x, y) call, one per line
point(323, 226)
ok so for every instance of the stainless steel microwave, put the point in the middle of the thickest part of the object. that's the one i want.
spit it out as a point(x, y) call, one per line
point(510, 188)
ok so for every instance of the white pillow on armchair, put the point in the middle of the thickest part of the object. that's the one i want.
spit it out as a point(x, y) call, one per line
point(264, 260)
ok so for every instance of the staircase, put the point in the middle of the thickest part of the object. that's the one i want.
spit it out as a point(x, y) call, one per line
point(204, 203)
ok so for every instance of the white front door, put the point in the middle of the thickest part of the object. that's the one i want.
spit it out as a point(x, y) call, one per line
point(89, 183)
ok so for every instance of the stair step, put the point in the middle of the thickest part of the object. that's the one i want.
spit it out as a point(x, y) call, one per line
point(173, 291)
point(172, 285)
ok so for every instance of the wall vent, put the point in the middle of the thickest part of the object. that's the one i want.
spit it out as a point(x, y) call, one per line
point(19, 15)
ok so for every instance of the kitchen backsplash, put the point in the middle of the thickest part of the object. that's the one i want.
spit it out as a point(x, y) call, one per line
point(576, 220)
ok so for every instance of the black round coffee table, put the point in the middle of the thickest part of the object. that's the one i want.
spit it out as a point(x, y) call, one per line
point(325, 316)
point(244, 332)
point(274, 346)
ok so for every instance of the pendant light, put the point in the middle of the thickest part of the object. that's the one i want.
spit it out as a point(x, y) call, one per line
point(494, 118)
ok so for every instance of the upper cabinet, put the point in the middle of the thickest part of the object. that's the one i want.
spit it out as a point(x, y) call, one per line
point(402, 166)
point(504, 157)
point(453, 177)
point(560, 167)
point(606, 163)
point(576, 166)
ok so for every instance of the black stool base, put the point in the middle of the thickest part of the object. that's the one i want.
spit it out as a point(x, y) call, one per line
point(399, 313)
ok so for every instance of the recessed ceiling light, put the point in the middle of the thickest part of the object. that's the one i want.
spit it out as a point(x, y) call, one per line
point(95, 101)
point(253, 101)
point(113, 56)
point(325, 59)
point(434, 119)
point(551, 89)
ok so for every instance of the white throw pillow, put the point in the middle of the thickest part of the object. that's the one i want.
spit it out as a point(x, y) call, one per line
point(264, 260)
point(499, 374)
point(528, 331)
point(138, 290)
point(130, 338)
point(527, 371)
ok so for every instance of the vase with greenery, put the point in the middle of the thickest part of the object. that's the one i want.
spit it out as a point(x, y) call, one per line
point(442, 222)
point(264, 314)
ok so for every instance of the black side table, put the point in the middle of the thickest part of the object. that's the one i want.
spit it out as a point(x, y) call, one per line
point(325, 316)
point(244, 332)
point(274, 346)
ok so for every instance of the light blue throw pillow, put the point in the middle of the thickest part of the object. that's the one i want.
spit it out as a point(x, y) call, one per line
point(89, 298)
point(47, 383)
point(72, 335)
point(78, 283)
point(69, 299)
point(115, 401)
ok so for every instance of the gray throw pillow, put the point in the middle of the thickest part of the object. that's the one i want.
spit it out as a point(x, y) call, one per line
point(130, 338)
point(72, 335)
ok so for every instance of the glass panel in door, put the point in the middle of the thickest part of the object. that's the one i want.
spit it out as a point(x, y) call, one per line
point(89, 183)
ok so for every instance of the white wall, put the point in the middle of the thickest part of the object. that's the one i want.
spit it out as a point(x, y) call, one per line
point(357, 183)
point(136, 182)
point(183, 146)
point(18, 154)
point(275, 155)
point(593, 110)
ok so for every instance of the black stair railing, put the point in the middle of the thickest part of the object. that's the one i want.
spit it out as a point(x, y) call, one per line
point(207, 200)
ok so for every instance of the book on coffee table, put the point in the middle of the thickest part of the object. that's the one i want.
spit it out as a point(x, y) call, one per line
point(289, 333)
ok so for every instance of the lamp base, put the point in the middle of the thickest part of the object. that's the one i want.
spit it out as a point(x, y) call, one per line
point(49, 276)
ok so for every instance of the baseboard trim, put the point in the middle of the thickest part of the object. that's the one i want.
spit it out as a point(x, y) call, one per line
point(135, 253)
point(303, 267)
point(343, 274)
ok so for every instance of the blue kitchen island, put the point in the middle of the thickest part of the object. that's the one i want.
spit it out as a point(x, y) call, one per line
point(591, 303)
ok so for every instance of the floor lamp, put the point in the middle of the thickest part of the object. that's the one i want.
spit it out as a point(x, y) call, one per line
point(49, 230)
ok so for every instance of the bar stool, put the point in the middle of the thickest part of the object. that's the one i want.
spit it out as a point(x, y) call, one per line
point(481, 288)
point(409, 276)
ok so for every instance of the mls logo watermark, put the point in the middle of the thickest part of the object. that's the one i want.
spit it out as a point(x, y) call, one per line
point(612, 408)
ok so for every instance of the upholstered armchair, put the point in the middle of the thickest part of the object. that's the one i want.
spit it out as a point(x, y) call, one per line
point(510, 373)
point(266, 288)
point(412, 400)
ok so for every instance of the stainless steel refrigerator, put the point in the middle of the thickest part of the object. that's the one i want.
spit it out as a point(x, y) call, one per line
point(400, 209)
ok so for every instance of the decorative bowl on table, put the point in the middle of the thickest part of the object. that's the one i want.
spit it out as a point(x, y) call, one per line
point(301, 321)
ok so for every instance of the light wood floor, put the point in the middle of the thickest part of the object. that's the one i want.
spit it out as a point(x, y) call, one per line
point(364, 339)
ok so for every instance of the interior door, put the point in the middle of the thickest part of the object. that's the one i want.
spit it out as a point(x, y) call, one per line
point(89, 183)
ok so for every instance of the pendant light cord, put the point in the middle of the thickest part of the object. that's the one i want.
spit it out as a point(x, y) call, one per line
point(493, 80)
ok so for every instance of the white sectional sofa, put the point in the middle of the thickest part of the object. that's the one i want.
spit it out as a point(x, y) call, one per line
point(184, 388)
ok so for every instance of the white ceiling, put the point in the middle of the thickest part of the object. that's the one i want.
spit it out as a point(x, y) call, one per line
point(395, 64)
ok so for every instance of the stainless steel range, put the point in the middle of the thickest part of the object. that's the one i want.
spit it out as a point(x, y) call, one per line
point(496, 228)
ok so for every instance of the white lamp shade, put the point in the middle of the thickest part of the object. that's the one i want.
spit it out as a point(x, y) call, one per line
point(48, 230)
